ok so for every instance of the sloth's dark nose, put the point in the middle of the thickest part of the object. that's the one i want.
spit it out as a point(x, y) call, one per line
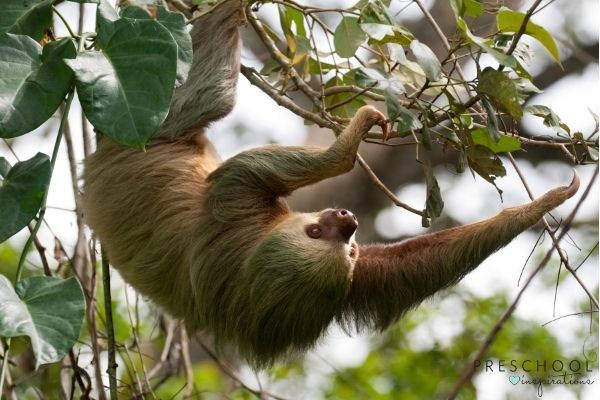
point(345, 214)
point(347, 223)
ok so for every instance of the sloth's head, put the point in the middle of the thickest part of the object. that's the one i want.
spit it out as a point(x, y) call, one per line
point(298, 277)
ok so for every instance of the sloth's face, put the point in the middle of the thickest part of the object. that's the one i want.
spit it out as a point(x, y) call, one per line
point(333, 225)
point(323, 234)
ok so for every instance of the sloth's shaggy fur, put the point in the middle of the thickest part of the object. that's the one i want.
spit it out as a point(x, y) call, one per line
point(216, 245)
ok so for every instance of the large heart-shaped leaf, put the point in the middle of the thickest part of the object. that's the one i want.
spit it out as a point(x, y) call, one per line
point(34, 82)
point(22, 17)
point(49, 310)
point(21, 194)
point(125, 90)
point(134, 12)
point(4, 167)
point(176, 24)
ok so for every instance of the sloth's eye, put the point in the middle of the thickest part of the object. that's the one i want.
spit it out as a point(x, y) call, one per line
point(314, 231)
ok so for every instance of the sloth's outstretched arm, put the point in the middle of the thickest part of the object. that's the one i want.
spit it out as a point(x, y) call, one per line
point(390, 279)
point(273, 171)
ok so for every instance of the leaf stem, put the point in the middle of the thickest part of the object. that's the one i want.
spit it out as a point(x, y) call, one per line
point(110, 330)
point(66, 24)
point(42, 212)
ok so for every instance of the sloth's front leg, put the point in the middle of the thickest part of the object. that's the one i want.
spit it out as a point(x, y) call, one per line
point(279, 170)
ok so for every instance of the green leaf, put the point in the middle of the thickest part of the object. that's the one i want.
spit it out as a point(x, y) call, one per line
point(377, 31)
point(47, 309)
point(134, 12)
point(125, 90)
point(434, 203)
point(474, 8)
point(458, 7)
point(348, 37)
point(486, 164)
point(426, 137)
point(501, 90)
point(22, 17)
point(392, 106)
point(427, 59)
point(21, 194)
point(505, 144)
point(373, 78)
point(380, 34)
point(176, 24)
point(492, 120)
point(314, 66)
point(377, 11)
point(544, 112)
point(397, 53)
point(508, 61)
point(525, 88)
point(351, 103)
point(550, 118)
point(34, 82)
point(408, 121)
point(4, 168)
point(511, 21)
point(289, 17)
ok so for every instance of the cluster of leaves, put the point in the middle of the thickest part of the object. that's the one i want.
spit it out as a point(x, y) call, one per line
point(424, 96)
point(125, 74)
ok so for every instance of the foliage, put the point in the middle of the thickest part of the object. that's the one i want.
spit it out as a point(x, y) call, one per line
point(125, 74)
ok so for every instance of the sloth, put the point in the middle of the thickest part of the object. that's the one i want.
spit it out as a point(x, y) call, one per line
point(215, 244)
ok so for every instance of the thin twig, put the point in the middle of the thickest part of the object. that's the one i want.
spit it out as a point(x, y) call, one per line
point(261, 394)
point(187, 363)
point(581, 314)
point(110, 328)
point(384, 188)
point(134, 323)
point(281, 58)
point(353, 89)
point(164, 356)
point(254, 78)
